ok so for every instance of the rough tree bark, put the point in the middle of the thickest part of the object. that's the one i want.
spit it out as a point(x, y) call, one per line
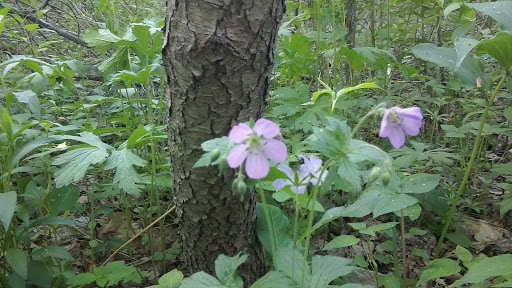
point(218, 55)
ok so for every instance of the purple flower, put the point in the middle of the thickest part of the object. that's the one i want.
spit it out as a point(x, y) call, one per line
point(256, 145)
point(397, 121)
point(312, 166)
point(297, 184)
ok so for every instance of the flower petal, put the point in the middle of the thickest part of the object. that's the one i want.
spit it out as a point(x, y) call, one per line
point(397, 137)
point(287, 170)
point(280, 183)
point(266, 128)
point(237, 155)
point(411, 112)
point(411, 126)
point(256, 165)
point(275, 150)
point(239, 133)
point(385, 126)
point(298, 189)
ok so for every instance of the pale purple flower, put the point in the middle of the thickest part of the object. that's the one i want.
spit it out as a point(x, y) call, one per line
point(297, 184)
point(255, 145)
point(312, 166)
point(397, 121)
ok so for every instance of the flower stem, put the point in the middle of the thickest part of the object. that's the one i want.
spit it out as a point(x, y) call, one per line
point(310, 219)
point(375, 110)
point(476, 147)
point(404, 256)
point(269, 224)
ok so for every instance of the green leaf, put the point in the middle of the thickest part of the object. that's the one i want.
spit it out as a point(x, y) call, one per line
point(341, 241)
point(413, 212)
point(441, 56)
point(438, 268)
point(17, 259)
point(39, 274)
point(221, 145)
point(505, 206)
point(30, 98)
point(362, 207)
point(6, 123)
point(420, 252)
point(499, 47)
point(379, 227)
point(274, 279)
point(63, 199)
point(101, 38)
point(490, 267)
point(420, 183)
point(501, 11)
point(201, 280)
point(280, 224)
point(360, 86)
point(31, 27)
point(349, 172)
point(463, 254)
point(290, 261)
point(114, 272)
point(508, 113)
point(58, 252)
point(171, 279)
point(82, 279)
point(75, 163)
point(463, 46)
point(225, 269)
point(332, 140)
point(126, 176)
point(459, 239)
point(7, 206)
point(51, 220)
point(392, 202)
point(327, 268)
point(136, 135)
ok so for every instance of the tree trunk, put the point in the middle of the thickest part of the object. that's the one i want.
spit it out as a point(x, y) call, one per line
point(350, 22)
point(218, 55)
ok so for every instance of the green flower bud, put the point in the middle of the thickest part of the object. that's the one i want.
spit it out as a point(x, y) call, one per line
point(223, 164)
point(374, 174)
point(214, 155)
point(385, 178)
point(241, 188)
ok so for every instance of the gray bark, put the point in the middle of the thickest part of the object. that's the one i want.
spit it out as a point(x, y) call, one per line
point(218, 55)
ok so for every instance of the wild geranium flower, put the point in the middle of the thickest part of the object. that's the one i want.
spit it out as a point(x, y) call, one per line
point(312, 166)
point(255, 146)
point(398, 121)
point(297, 184)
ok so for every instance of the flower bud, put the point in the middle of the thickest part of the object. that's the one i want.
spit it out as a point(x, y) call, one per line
point(374, 174)
point(214, 155)
point(241, 187)
point(385, 178)
point(223, 164)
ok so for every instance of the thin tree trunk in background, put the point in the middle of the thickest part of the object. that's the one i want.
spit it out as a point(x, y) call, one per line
point(350, 22)
point(217, 56)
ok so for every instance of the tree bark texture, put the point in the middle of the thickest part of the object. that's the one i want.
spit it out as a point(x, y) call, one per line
point(218, 55)
point(350, 22)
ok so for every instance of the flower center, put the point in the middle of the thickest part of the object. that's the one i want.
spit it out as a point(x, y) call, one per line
point(254, 142)
point(395, 119)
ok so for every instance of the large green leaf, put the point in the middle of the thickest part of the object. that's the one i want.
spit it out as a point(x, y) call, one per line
point(201, 280)
point(75, 163)
point(58, 252)
point(349, 172)
point(501, 11)
point(225, 269)
point(420, 183)
point(7, 206)
point(280, 224)
point(362, 207)
point(63, 199)
point(30, 98)
point(463, 46)
point(127, 178)
point(291, 262)
point(17, 259)
point(274, 279)
point(388, 203)
point(327, 268)
point(499, 48)
point(490, 267)
point(341, 241)
point(438, 268)
point(332, 140)
point(441, 56)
